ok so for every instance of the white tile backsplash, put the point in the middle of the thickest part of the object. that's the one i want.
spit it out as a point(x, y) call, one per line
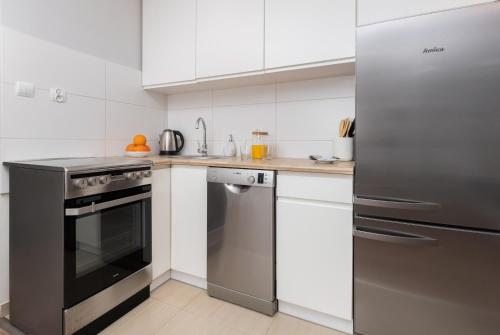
point(302, 117)
point(189, 100)
point(245, 95)
point(105, 105)
point(47, 65)
point(303, 149)
point(312, 120)
point(185, 122)
point(324, 88)
point(39, 117)
point(241, 120)
point(124, 120)
point(122, 86)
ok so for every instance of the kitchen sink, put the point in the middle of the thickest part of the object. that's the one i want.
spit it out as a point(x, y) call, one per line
point(197, 157)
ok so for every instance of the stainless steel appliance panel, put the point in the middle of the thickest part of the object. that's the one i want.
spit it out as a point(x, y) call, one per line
point(80, 315)
point(415, 279)
point(241, 236)
point(427, 116)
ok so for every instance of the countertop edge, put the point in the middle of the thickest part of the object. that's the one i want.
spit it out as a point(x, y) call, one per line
point(278, 164)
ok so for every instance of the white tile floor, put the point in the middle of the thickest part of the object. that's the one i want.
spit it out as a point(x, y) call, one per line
point(180, 309)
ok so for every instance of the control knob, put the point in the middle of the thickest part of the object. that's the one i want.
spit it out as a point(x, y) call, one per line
point(147, 174)
point(251, 180)
point(105, 180)
point(132, 175)
point(92, 181)
point(80, 182)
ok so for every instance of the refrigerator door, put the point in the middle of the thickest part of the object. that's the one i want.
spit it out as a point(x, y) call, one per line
point(413, 279)
point(428, 118)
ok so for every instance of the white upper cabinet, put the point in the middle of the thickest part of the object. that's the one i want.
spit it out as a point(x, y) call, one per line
point(169, 41)
point(371, 11)
point(230, 37)
point(308, 31)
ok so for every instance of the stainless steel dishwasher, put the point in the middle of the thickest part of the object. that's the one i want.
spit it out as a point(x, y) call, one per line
point(241, 237)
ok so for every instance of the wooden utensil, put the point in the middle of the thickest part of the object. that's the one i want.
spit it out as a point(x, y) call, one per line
point(345, 126)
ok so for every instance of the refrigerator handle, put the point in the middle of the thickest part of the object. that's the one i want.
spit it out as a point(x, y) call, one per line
point(391, 236)
point(397, 204)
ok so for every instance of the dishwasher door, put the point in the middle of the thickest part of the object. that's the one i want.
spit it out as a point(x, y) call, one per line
point(414, 279)
point(241, 243)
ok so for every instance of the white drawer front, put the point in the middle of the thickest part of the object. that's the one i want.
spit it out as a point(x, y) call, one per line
point(319, 187)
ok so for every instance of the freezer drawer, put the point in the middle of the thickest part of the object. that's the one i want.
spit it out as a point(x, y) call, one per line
point(412, 279)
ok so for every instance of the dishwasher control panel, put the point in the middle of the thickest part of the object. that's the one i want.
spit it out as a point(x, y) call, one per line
point(262, 178)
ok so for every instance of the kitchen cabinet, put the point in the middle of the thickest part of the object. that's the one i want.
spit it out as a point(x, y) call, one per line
point(370, 11)
point(308, 31)
point(189, 220)
point(229, 37)
point(169, 41)
point(314, 247)
point(203, 44)
point(161, 222)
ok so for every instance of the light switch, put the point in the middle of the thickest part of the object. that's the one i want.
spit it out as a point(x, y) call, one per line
point(24, 89)
point(58, 95)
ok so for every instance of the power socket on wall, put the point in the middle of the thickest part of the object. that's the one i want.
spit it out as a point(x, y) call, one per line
point(58, 95)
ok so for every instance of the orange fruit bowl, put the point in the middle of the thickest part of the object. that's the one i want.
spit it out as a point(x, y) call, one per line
point(137, 154)
point(138, 148)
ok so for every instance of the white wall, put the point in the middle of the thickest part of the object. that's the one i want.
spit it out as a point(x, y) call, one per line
point(302, 117)
point(109, 29)
point(105, 107)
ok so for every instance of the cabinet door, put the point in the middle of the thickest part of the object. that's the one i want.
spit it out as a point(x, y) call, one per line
point(161, 222)
point(370, 11)
point(314, 256)
point(308, 31)
point(189, 220)
point(169, 41)
point(230, 37)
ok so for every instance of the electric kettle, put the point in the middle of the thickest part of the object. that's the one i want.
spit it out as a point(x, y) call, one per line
point(171, 142)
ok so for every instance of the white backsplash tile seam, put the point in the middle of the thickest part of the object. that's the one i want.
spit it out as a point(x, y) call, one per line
point(314, 99)
point(68, 93)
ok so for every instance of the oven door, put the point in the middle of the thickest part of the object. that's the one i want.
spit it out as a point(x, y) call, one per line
point(107, 237)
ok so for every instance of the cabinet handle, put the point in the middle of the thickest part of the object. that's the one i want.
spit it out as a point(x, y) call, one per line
point(397, 204)
point(392, 236)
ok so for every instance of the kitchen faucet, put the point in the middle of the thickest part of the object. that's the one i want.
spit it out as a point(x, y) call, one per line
point(202, 149)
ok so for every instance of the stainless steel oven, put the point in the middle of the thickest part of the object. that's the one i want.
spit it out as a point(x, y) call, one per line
point(80, 242)
point(107, 237)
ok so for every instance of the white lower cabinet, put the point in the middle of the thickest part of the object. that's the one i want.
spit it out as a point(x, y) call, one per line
point(161, 222)
point(189, 220)
point(314, 248)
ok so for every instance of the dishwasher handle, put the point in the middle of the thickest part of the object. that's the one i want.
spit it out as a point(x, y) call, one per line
point(237, 189)
point(392, 236)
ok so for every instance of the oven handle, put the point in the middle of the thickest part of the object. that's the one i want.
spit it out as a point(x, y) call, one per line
point(108, 204)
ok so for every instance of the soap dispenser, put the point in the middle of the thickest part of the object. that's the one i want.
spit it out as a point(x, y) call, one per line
point(230, 147)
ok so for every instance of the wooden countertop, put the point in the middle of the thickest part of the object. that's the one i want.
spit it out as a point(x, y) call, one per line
point(276, 164)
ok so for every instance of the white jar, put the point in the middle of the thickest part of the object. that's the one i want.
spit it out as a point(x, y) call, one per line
point(343, 148)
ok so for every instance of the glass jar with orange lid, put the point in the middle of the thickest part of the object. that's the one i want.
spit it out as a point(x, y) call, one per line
point(259, 144)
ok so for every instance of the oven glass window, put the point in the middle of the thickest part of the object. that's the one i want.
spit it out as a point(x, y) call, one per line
point(108, 236)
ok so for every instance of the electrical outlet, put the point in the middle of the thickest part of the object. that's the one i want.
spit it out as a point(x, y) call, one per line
point(58, 95)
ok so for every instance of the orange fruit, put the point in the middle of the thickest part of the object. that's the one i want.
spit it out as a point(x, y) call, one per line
point(130, 147)
point(140, 139)
point(142, 148)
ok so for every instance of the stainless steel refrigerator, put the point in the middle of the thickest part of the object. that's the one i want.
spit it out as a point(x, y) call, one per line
point(427, 179)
